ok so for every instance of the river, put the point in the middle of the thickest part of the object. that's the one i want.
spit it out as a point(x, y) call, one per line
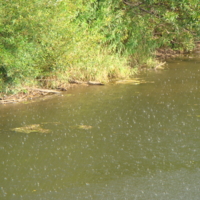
point(118, 141)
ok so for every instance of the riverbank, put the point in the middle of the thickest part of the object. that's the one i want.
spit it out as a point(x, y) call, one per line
point(31, 93)
point(44, 47)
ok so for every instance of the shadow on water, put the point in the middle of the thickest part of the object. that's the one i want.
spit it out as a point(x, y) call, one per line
point(120, 141)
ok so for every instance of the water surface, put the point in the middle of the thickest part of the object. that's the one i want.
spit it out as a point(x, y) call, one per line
point(119, 141)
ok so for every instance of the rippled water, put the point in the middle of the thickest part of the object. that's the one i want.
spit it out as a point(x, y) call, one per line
point(119, 141)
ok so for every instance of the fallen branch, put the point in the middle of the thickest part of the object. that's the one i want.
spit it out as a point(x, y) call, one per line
point(94, 83)
point(4, 101)
point(159, 66)
point(44, 90)
point(84, 82)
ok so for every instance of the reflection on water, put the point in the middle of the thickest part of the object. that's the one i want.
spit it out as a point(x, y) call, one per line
point(121, 141)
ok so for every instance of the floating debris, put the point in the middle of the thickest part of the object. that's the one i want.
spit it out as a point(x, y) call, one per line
point(33, 128)
point(86, 82)
point(94, 83)
point(135, 81)
point(85, 127)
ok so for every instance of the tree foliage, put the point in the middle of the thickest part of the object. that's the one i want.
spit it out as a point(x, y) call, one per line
point(91, 39)
point(172, 23)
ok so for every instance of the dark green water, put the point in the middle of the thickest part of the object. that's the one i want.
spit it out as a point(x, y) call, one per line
point(143, 144)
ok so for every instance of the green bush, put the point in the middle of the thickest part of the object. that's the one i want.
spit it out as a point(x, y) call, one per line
point(88, 40)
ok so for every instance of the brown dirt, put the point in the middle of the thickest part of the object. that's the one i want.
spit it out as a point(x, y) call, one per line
point(31, 93)
point(21, 96)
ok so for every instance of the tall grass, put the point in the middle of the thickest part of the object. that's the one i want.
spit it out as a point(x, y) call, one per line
point(84, 40)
